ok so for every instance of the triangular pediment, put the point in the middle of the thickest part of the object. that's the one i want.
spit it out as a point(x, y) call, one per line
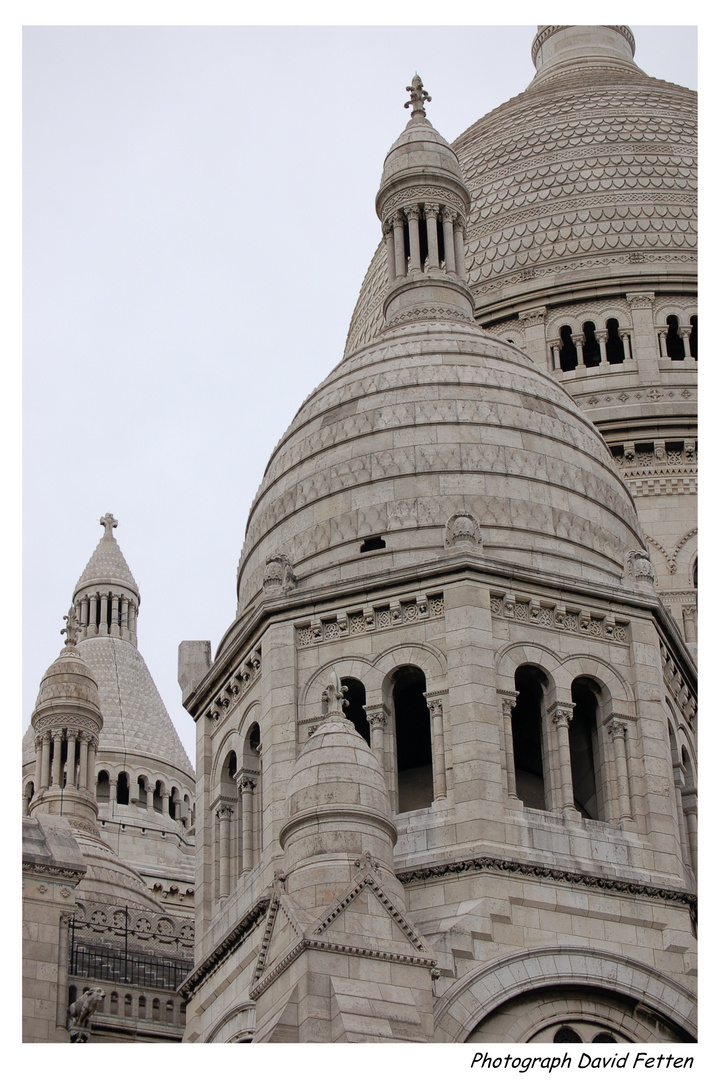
point(282, 934)
point(365, 917)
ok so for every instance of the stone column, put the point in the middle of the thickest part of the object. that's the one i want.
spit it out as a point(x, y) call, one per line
point(93, 615)
point(690, 809)
point(662, 343)
point(56, 757)
point(91, 752)
point(82, 778)
point(113, 791)
point(84, 605)
point(447, 223)
point(377, 724)
point(115, 617)
point(165, 804)
point(412, 216)
point(224, 817)
point(38, 764)
point(103, 613)
point(436, 709)
point(45, 768)
point(555, 355)
point(626, 339)
point(390, 252)
point(579, 341)
point(459, 252)
point(686, 339)
point(132, 622)
point(602, 337)
point(617, 730)
point(562, 716)
point(431, 213)
point(247, 786)
point(71, 758)
point(399, 252)
point(508, 701)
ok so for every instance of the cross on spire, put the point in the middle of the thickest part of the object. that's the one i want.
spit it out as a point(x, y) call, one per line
point(417, 98)
point(110, 523)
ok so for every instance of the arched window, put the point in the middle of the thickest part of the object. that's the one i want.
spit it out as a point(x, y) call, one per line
point(615, 353)
point(123, 789)
point(693, 339)
point(604, 1037)
point(568, 356)
point(567, 1035)
point(674, 342)
point(583, 743)
point(170, 1012)
point(103, 786)
point(142, 1007)
point(354, 709)
point(591, 349)
point(155, 1008)
point(174, 799)
point(27, 796)
point(412, 722)
point(114, 1002)
point(526, 729)
point(128, 1004)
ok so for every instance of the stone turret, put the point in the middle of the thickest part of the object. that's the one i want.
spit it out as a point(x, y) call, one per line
point(67, 721)
point(422, 204)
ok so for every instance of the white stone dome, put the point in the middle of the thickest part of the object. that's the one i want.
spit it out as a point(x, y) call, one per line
point(438, 419)
point(586, 180)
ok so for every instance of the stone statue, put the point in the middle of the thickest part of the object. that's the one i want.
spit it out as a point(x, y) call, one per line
point(79, 1013)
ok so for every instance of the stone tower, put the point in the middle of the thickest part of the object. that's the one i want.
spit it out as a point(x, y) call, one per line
point(443, 550)
point(141, 776)
point(581, 250)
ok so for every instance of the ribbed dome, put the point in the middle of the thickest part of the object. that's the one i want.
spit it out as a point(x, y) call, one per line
point(68, 680)
point(588, 177)
point(434, 420)
point(107, 566)
point(420, 148)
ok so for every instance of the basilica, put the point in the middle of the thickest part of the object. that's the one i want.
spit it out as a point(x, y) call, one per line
point(445, 782)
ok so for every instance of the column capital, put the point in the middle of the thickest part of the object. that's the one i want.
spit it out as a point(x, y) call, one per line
point(562, 713)
point(376, 715)
point(412, 213)
point(397, 218)
point(449, 214)
point(431, 210)
point(224, 812)
point(617, 729)
point(508, 699)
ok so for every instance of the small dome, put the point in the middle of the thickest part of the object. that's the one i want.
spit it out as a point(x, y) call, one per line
point(337, 766)
point(418, 149)
point(107, 564)
point(68, 680)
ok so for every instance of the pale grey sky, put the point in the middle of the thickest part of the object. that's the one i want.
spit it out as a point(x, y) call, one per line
point(198, 218)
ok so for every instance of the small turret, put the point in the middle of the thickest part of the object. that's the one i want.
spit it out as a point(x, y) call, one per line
point(422, 204)
point(67, 721)
point(106, 598)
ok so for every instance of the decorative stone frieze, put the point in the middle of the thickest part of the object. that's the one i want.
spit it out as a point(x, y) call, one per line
point(244, 675)
point(681, 693)
point(557, 617)
point(383, 615)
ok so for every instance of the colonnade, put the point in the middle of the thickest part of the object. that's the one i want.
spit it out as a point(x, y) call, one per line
point(107, 613)
point(421, 221)
point(237, 831)
point(65, 755)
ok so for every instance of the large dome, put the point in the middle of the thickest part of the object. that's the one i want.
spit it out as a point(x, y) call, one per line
point(438, 419)
point(585, 181)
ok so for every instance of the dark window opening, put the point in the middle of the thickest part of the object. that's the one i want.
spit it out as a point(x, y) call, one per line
point(254, 738)
point(693, 339)
point(103, 785)
point(123, 789)
point(674, 342)
point(604, 1037)
point(591, 349)
point(174, 796)
point(526, 724)
point(423, 242)
point(440, 239)
point(374, 543)
point(406, 243)
point(582, 736)
point(615, 353)
point(568, 356)
point(355, 698)
point(413, 740)
point(567, 1035)
point(695, 574)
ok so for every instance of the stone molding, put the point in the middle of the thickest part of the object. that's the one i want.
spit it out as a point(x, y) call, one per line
point(234, 939)
point(535, 870)
point(555, 616)
point(549, 31)
point(681, 693)
point(380, 615)
point(48, 870)
point(244, 674)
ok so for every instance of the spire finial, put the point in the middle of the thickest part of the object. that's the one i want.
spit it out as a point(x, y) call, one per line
point(110, 522)
point(418, 97)
point(71, 628)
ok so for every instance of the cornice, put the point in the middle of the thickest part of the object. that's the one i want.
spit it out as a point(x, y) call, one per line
point(234, 939)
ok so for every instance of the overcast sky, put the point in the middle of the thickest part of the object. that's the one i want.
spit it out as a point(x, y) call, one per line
point(198, 219)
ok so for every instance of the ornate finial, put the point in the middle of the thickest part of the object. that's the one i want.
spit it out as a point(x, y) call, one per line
point(71, 627)
point(110, 523)
point(418, 97)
